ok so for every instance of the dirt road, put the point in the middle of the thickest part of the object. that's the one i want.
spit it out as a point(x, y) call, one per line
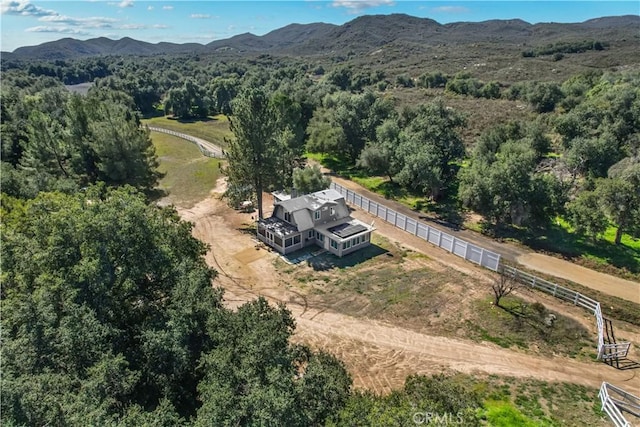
point(606, 283)
point(548, 265)
point(379, 355)
point(611, 285)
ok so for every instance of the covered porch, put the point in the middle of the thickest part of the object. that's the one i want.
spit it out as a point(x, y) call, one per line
point(280, 235)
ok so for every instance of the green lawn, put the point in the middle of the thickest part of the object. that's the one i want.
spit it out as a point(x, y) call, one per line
point(189, 176)
point(214, 129)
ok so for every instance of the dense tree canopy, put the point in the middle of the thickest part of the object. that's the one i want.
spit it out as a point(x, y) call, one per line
point(503, 183)
point(109, 316)
point(90, 139)
point(310, 179)
point(345, 122)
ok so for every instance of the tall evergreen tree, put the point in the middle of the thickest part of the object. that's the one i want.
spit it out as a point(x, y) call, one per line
point(253, 152)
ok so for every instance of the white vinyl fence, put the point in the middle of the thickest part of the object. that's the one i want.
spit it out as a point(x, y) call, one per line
point(455, 245)
point(605, 351)
point(216, 153)
point(615, 401)
point(491, 260)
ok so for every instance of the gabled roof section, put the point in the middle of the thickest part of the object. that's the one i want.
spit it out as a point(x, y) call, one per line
point(311, 201)
point(328, 194)
point(303, 220)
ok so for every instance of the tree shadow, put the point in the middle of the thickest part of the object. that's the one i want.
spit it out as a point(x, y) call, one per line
point(194, 119)
point(249, 229)
point(557, 239)
point(327, 261)
point(156, 194)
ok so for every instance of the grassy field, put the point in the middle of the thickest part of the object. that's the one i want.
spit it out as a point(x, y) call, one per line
point(189, 176)
point(525, 402)
point(521, 324)
point(214, 129)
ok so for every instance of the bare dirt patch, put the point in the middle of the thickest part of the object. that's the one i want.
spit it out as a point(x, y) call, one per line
point(378, 353)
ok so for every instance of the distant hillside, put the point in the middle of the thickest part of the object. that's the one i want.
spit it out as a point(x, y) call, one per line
point(361, 35)
point(69, 48)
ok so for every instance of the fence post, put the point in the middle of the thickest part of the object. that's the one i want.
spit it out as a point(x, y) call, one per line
point(428, 232)
point(555, 289)
point(453, 244)
point(575, 300)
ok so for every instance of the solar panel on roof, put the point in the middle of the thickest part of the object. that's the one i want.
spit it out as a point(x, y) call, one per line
point(346, 230)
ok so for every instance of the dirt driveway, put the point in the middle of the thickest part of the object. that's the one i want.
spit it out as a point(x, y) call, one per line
point(379, 355)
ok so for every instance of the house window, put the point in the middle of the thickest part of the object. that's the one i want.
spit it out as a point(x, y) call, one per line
point(355, 241)
point(365, 237)
point(287, 243)
point(316, 215)
point(261, 231)
point(319, 236)
point(287, 216)
point(333, 211)
point(310, 234)
point(334, 244)
point(277, 240)
point(346, 245)
point(296, 239)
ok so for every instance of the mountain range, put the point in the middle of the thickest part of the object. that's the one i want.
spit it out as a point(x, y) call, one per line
point(364, 34)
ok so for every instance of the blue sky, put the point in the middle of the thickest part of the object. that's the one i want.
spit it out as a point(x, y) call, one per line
point(26, 22)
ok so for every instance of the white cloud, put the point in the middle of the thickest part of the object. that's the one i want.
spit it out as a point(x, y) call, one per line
point(56, 29)
point(357, 6)
point(149, 7)
point(132, 27)
point(160, 26)
point(92, 22)
point(126, 3)
point(450, 9)
point(167, 7)
point(200, 16)
point(24, 8)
